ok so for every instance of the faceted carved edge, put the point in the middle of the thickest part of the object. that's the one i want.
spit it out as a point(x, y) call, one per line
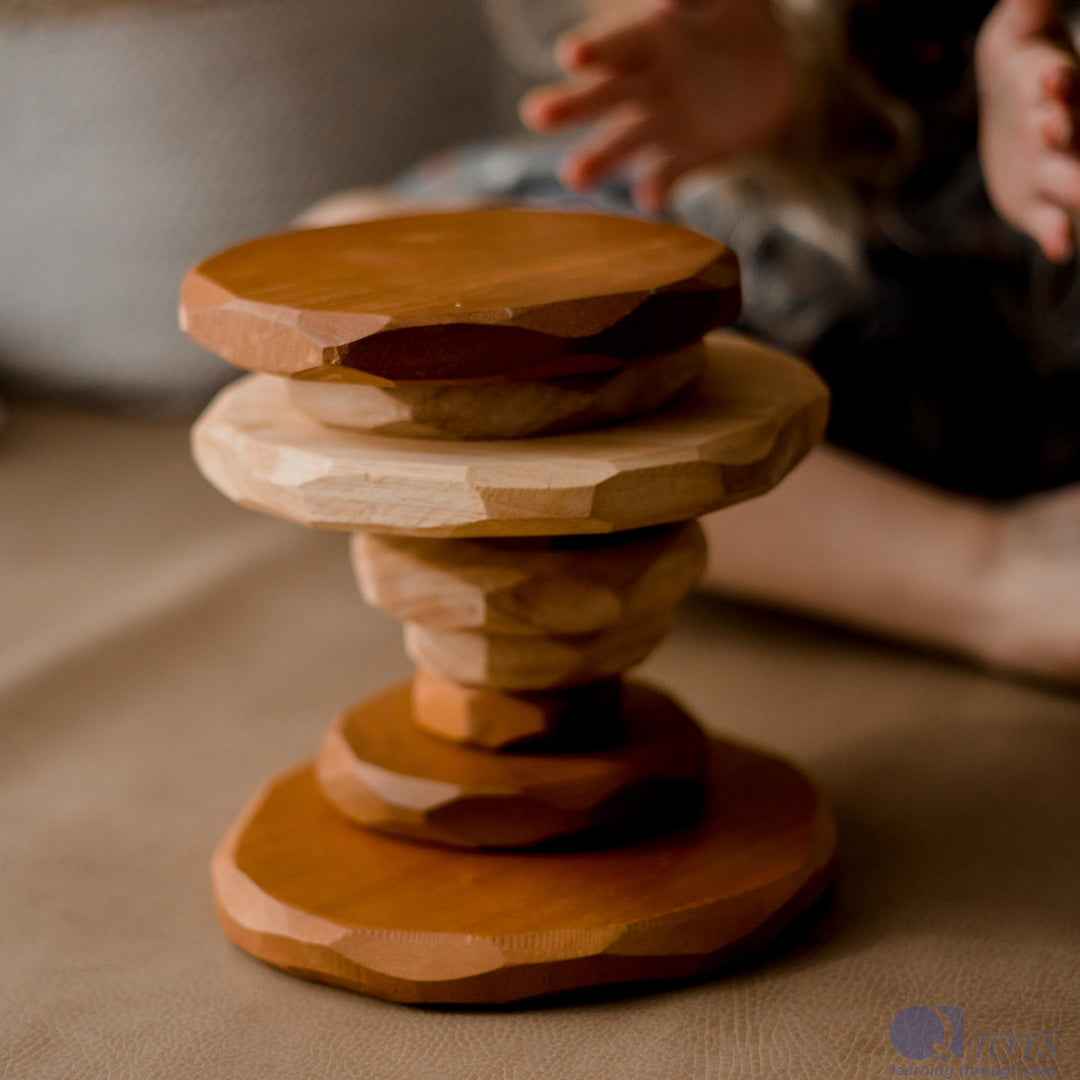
point(493, 293)
point(565, 721)
point(754, 414)
point(551, 662)
point(532, 587)
point(501, 410)
point(383, 771)
point(415, 923)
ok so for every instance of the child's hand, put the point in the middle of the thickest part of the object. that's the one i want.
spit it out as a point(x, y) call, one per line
point(691, 83)
point(1029, 84)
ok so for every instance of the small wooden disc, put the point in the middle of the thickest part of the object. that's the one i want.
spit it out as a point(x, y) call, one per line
point(527, 585)
point(380, 768)
point(300, 887)
point(501, 410)
point(491, 294)
point(562, 721)
point(752, 416)
point(527, 664)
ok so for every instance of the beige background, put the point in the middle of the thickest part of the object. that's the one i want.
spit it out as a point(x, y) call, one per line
point(161, 651)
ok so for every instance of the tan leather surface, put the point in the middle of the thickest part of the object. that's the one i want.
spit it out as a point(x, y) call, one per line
point(161, 651)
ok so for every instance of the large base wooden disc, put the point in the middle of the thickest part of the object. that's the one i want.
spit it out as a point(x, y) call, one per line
point(300, 887)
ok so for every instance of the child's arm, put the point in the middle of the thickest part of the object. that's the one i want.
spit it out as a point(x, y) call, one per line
point(690, 83)
point(848, 540)
point(1029, 84)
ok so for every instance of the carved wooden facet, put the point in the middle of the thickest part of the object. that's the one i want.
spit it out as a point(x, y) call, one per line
point(518, 819)
point(567, 720)
point(515, 662)
point(503, 410)
point(300, 886)
point(752, 416)
point(384, 771)
point(568, 585)
point(484, 294)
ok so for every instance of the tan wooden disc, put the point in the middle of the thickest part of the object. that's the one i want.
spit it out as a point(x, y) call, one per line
point(527, 585)
point(495, 293)
point(298, 886)
point(383, 770)
point(516, 663)
point(754, 414)
point(502, 410)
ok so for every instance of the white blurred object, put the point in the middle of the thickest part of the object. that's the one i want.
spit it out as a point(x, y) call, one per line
point(139, 140)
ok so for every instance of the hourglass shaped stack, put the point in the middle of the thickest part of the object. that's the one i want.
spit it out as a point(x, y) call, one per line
point(519, 414)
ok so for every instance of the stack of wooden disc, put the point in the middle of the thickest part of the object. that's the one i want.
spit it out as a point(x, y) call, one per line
point(445, 342)
point(487, 325)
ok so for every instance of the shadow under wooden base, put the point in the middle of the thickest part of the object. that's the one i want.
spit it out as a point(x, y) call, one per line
point(300, 887)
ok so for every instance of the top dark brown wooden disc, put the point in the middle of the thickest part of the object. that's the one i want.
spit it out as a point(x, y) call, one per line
point(446, 297)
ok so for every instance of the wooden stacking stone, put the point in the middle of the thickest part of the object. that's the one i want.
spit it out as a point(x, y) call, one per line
point(490, 294)
point(570, 719)
point(520, 642)
point(531, 614)
point(383, 771)
point(750, 419)
point(529, 586)
point(502, 410)
point(518, 416)
point(513, 662)
point(300, 886)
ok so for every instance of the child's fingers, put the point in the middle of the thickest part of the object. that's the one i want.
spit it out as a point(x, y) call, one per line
point(1051, 228)
point(1058, 179)
point(1056, 126)
point(624, 49)
point(1029, 17)
point(554, 107)
point(1060, 80)
point(652, 188)
point(601, 156)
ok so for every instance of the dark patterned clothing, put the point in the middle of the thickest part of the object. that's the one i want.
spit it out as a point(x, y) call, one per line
point(962, 364)
point(958, 359)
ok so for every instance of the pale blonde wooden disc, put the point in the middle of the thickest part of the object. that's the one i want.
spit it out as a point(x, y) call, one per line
point(528, 586)
point(550, 662)
point(753, 415)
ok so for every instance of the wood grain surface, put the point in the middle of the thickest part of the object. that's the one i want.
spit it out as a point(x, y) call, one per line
point(530, 586)
point(752, 416)
point(381, 769)
point(551, 662)
point(298, 886)
point(496, 293)
point(567, 720)
point(502, 410)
